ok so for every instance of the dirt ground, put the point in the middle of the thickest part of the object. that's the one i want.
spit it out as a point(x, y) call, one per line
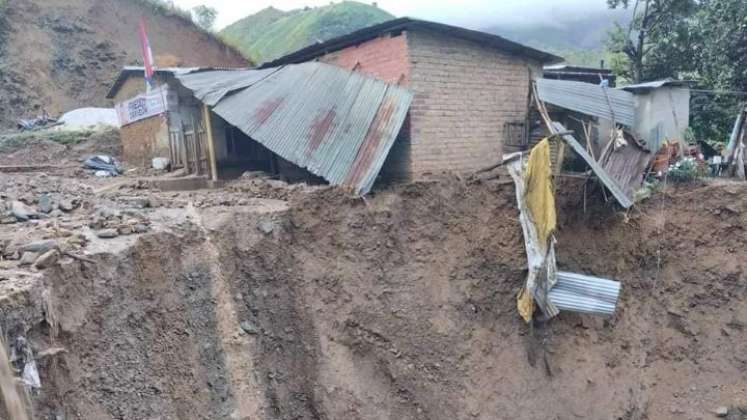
point(58, 54)
point(266, 301)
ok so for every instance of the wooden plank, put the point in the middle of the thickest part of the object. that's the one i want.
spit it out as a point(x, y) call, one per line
point(27, 168)
point(211, 144)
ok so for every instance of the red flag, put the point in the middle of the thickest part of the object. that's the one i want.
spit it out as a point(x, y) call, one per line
point(147, 54)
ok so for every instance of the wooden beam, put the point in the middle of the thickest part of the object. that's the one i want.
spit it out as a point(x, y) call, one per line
point(211, 145)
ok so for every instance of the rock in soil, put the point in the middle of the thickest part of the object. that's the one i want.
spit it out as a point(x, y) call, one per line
point(722, 411)
point(107, 233)
point(249, 328)
point(66, 206)
point(46, 205)
point(39, 246)
point(47, 259)
point(28, 258)
point(21, 211)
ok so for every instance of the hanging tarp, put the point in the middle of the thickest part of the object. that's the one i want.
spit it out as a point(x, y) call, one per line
point(534, 195)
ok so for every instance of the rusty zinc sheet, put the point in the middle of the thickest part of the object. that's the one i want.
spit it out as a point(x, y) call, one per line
point(337, 124)
point(211, 86)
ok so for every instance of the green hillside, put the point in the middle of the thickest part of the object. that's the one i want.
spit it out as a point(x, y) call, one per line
point(272, 33)
point(580, 39)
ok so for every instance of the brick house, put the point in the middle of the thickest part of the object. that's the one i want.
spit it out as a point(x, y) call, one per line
point(471, 89)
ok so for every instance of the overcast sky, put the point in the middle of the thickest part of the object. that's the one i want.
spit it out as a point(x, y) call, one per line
point(470, 13)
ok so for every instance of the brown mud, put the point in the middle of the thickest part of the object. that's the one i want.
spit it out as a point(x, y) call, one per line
point(400, 306)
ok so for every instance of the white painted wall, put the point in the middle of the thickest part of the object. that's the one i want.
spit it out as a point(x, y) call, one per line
point(655, 121)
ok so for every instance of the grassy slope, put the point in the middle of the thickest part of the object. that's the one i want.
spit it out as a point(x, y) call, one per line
point(272, 33)
point(167, 9)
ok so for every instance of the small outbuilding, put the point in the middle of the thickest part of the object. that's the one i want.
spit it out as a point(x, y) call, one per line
point(662, 110)
point(154, 123)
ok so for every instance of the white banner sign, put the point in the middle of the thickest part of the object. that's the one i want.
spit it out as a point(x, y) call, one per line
point(143, 106)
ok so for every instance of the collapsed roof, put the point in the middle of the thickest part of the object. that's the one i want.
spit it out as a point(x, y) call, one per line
point(337, 124)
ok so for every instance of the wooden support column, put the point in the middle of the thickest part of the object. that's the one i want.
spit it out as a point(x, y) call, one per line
point(211, 142)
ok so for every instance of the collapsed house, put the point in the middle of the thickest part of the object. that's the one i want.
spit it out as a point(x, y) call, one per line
point(299, 121)
point(469, 89)
point(399, 101)
point(620, 130)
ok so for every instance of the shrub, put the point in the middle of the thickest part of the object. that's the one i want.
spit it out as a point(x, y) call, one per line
point(685, 170)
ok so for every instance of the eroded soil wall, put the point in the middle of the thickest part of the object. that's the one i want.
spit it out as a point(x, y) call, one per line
point(401, 307)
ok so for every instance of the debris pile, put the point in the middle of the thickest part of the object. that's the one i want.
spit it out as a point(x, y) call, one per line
point(46, 206)
point(260, 185)
point(109, 223)
point(44, 253)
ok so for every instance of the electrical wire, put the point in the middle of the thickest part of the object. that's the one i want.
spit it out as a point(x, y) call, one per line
point(721, 92)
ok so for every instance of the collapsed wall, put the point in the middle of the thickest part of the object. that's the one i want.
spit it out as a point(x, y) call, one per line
point(401, 306)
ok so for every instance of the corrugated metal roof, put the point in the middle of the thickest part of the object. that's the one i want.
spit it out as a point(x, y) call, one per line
point(338, 124)
point(589, 99)
point(129, 71)
point(403, 24)
point(211, 86)
point(655, 85)
point(585, 294)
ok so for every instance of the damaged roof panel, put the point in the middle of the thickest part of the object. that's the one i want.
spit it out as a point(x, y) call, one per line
point(211, 86)
point(608, 181)
point(589, 99)
point(338, 124)
point(627, 165)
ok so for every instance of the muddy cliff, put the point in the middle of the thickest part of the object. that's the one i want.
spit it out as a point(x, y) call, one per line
point(401, 306)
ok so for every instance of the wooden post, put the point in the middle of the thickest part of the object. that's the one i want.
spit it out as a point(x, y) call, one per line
point(211, 144)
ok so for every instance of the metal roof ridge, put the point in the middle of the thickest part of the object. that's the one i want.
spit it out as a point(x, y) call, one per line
point(364, 34)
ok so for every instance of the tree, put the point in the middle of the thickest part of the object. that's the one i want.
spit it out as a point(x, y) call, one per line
point(204, 16)
point(721, 56)
point(703, 40)
point(654, 41)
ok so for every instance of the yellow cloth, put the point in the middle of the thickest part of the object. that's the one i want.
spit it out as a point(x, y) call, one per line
point(539, 195)
point(525, 304)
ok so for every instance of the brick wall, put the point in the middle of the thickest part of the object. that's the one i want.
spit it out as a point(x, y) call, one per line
point(384, 58)
point(464, 94)
point(145, 139)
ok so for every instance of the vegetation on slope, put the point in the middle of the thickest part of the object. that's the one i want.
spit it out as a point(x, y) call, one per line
point(272, 33)
point(168, 9)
